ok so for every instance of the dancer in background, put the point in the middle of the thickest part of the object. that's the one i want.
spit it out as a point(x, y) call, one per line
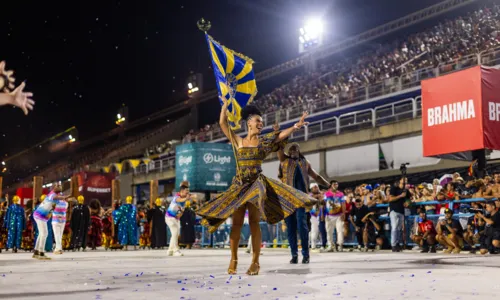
point(80, 223)
point(15, 222)
point(58, 223)
point(295, 170)
point(145, 230)
point(188, 235)
point(49, 244)
point(42, 215)
point(95, 230)
point(66, 238)
point(156, 216)
point(126, 219)
point(264, 198)
point(28, 233)
point(316, 214)
point(3, 230)
point(172, 218)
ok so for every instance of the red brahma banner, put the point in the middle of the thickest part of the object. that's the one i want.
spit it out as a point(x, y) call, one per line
point(461, 112)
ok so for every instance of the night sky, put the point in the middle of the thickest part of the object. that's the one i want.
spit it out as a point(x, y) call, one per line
point(84, 59)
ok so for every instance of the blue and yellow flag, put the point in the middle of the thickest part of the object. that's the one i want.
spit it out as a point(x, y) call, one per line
point(235, 79)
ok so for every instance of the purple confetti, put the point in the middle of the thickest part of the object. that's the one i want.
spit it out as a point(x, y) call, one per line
point(275, 289)
point(212, 276)
point(412, 275)
point(338, 294)
point(127, 274)
point(345, 281)
point(249, 284)
point(179, 281)
point(429, 272)
point(304, 282)
point(183, 289)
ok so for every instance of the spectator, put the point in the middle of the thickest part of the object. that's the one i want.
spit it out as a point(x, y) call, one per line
point(335, 214)
point(450, 233)
point(475, 232)
point(426, 234)
point(492, 231)
point(397, 198)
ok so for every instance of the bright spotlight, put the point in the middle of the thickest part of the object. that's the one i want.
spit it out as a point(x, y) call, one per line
point(3, 163)
point(70, 137)
point(311, 35)
point(190, 85)
point(118, 116)
point(313, 28)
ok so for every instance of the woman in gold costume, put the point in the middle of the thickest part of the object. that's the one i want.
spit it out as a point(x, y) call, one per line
point(264, 198)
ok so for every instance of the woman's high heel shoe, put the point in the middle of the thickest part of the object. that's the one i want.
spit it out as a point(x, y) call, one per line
point(253, 273)
point(233, 271)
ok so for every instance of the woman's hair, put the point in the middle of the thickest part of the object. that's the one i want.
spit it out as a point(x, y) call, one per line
point(249, 111)
point(95, 204)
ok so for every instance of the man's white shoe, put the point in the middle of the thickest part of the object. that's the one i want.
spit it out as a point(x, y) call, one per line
point(170, 253)
point(178, 253)
point(315, 250)
point(329, 249)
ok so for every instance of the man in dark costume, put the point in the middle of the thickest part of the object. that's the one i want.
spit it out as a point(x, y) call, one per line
point(80, 223)
point(156, 216)
point(188, 219)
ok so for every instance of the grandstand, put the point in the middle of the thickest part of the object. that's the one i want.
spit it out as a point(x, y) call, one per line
point(367, 91)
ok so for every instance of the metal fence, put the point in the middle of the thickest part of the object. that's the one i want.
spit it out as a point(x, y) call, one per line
point(274, 236)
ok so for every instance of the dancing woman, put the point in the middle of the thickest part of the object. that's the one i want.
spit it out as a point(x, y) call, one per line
point(264, 198)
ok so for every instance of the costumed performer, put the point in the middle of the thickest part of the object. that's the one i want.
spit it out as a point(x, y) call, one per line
point(15, 222)
point(156, 216)
point(58, 224)
point(42, 215)
point(80, 223)
point(263, 197)
point(172, 218)
point(126, 219)
point(95, 230)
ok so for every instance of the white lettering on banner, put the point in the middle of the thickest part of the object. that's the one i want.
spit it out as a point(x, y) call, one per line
point(494, 111)
point(99, 190)
point(453, 112)
point(209, 158)
point(185, 160)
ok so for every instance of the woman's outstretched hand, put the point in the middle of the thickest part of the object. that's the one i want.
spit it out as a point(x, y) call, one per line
point(301, 123)
point(22, 99)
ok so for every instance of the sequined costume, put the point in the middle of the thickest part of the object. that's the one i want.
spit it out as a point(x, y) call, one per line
point(3, 230)
point(145, 237)
point(275, 200)
point(107, 232)
point(28, 240)
point(80, 223)
point(126, 219)
point(66, 239)
point(15, 223)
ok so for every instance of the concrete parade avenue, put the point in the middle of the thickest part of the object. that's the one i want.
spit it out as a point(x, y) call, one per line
point(201, 274)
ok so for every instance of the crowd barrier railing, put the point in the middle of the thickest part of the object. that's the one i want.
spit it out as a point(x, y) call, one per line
point(276, 236)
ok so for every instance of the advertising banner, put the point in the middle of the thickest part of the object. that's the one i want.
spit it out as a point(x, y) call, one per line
point(451, 113)
point(491, 107)
point(207, 166)
point(94, 185)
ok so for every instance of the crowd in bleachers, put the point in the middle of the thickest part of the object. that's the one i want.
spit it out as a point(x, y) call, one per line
point(441, 45)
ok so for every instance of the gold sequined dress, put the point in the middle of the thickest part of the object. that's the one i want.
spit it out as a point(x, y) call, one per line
point(274, 199)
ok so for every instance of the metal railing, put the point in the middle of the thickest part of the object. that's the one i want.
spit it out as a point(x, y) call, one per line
point(274, 236)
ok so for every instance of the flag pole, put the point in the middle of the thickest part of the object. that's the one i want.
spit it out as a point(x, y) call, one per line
point(205, 26)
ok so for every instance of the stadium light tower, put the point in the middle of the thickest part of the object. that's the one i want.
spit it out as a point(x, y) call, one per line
point(311, 35)
point(122, 116)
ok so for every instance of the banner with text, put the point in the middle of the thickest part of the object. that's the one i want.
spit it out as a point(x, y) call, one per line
point(461, 113)
point(207, 166)
point(94, 185)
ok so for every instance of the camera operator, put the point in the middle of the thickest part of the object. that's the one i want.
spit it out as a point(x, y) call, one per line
point(450, 233)
point(398, 196)
point(492, 231)
point(426, 234)
point(475, 232)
